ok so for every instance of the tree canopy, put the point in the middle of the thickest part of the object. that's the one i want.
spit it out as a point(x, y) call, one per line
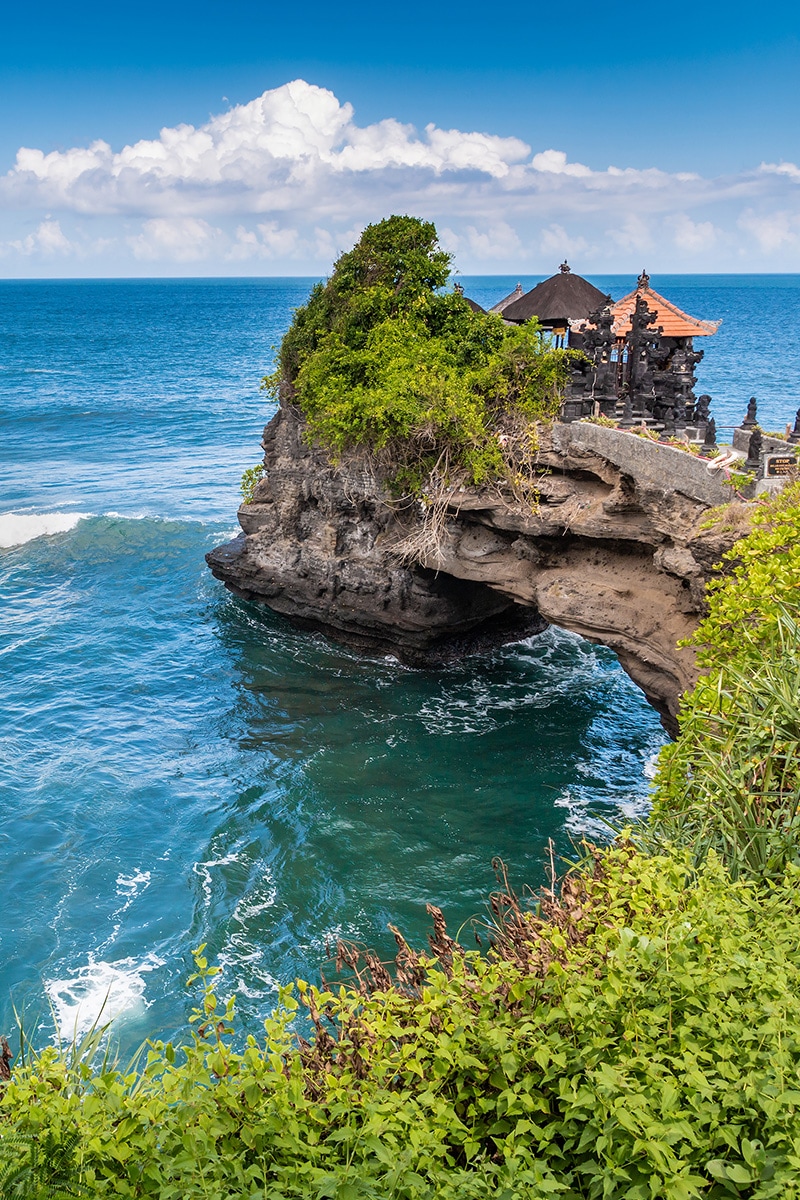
point(380, 357)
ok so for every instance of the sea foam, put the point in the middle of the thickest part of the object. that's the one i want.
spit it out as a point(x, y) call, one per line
point(98, 993)
point(18, 528)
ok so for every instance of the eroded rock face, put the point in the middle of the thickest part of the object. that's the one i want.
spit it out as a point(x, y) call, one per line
point(617, 560)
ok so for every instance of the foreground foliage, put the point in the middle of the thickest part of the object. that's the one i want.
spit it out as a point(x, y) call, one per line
point(732, 779)
point(640, 1039)
point(381, 360)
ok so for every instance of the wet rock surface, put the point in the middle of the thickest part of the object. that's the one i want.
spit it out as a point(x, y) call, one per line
point(614, 558)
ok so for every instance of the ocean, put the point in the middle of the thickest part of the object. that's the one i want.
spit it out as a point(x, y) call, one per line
point(180, 767)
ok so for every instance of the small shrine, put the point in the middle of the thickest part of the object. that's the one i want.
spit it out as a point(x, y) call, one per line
point(641, 357)
point(557, 303)
point(637, 370)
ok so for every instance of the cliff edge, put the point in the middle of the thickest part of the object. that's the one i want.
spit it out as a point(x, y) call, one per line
point(613, 551)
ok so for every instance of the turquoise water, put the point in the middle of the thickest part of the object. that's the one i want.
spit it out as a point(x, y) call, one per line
point(178, 766)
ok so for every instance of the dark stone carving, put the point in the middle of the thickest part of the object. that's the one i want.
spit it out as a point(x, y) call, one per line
point(753, 460)
point(669, 420)
point(701, 409)
point(680, 417)
point(710, 439)
point(627, 421)
point(751, 419)
point(794, 436)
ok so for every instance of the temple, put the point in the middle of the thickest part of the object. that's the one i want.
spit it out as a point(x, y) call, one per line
point(641, 358)
point(639, 352)
point(557, 303)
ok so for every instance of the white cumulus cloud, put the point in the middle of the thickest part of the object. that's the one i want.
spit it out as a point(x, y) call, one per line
point(48, 240)
point(257, 157)
point(287, 181)
point(495, 242)
point(789, 169)
point(772, 231)
point(555, 241)
point(692, 235)
point(179, 239)
point(554, 162)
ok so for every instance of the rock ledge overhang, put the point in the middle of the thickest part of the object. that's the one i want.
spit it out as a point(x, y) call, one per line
point(615, 552)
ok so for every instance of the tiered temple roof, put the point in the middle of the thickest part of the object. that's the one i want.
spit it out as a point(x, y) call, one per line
point(674, 323)
point(557, 301)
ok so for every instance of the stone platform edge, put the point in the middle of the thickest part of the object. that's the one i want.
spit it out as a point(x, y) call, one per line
point(663, 468)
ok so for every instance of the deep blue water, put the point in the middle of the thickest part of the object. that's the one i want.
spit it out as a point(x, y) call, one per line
point(177, 766)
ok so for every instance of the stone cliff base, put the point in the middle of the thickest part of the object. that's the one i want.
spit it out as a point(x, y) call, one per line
point(614, 552)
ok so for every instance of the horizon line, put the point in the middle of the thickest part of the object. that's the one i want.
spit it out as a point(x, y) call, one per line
point(317, 276)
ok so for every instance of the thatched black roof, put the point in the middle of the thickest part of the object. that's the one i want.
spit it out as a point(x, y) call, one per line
point(503, 304)
point(473, 304)
point(561, 298)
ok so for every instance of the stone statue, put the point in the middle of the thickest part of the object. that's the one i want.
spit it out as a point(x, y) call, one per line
point(753, 460)
point(751, 419)
point(669, 420)
point(627, 421)
point(794, 436)
point(702, 409)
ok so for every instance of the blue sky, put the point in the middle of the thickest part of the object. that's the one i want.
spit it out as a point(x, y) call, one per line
point(258, 139)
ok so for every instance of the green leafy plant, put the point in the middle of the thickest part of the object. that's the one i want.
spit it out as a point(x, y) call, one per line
point(635, 1035)
point(249, 480)
point(740, 480)
point(40, 1167)
point(605, 422)
point(381, 361)
point(732, 780)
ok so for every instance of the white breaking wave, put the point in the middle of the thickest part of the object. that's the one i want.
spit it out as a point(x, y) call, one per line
point(98, 993)
point(18, 528)
point(651, 765)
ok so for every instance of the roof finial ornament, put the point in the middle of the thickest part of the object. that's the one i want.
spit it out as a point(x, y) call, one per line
point(643, 282)
point(564, 268)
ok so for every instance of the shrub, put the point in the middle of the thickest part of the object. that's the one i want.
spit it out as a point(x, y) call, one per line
point(249, 480)
point(732, 779)
point(639, 1038)
point(379, 359)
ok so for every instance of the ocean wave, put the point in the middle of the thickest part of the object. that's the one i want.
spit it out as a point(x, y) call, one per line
point(18, 528)
point(98, 993)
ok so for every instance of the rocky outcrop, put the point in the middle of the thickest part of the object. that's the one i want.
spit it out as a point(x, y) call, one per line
point(613, 552)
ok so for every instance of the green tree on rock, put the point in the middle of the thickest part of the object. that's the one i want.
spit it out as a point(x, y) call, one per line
point(381, 359)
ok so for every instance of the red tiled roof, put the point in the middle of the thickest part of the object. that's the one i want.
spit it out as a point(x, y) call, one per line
point(673, 321)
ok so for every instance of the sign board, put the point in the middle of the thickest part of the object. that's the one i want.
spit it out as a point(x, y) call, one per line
point(781, 464)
